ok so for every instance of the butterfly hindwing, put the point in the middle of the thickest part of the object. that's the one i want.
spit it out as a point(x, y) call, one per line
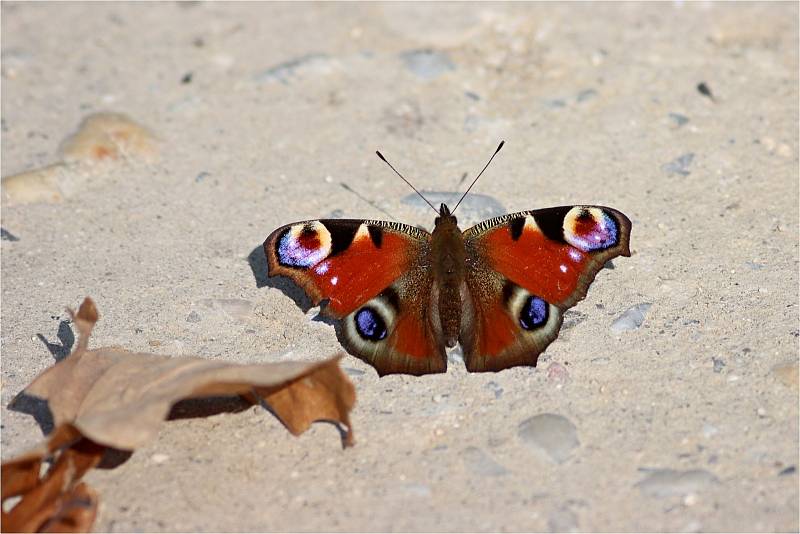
point(372, 275)
point(525, 270)
point(396, 331)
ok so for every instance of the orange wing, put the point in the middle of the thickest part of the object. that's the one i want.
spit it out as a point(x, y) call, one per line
point(524, 270)
point(375, 278)
point(346, 261)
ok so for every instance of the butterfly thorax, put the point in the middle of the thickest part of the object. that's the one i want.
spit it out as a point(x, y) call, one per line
point(448, 255)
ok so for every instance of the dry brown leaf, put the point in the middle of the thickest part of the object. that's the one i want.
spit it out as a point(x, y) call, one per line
point(58, 501)
point(112, 398)
point(119, 398)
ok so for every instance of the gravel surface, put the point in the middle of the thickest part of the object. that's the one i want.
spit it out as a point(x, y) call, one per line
point(668, 403)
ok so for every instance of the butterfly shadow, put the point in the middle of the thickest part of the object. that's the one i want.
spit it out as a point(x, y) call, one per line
point(66, 339)
point(34, 406)
point(258, 264)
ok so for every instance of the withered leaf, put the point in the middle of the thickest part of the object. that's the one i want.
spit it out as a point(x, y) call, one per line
point(56, 501)
point(119, 398)
point(113, 398)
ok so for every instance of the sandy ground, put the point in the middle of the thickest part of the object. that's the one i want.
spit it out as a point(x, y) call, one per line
point(686, 423)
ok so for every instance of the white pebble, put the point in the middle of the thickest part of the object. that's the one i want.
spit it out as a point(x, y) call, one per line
point(631, 319)
point(668, 482)
point(159, 458)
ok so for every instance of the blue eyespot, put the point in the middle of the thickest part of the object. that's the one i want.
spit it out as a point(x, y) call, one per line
point(534, 313)
point(369, 324)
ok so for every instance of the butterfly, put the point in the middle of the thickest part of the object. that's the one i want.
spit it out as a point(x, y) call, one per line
point(401, 295)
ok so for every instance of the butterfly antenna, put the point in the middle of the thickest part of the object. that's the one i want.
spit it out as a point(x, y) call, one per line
point(406, 181)
point(479, 174)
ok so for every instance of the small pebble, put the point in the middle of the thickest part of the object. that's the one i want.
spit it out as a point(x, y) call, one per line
point(787, 374)
point(455, 356)
point(481, 464)
point(353, 372)
point(159, 458)
point(668, 482)
point(474, 208)
point(286, 71)
point(427, 64)
point(495, 387)
point(193, 317)
point(679, 165)
point(572, 318)
point(562, 520)
point(692, 526)
point(335, 214)
point(7, 236)
point(417, 490)
point(555, 103)
point(235, 308)
point(404, 117)
point(586, 94)
point(631, 319)
point(755, 266)
point(557, 373)
point(705, 90)
point(788, 471)
point(710, 430)
point(678, 119)
point(718, 364)
point(552, 435)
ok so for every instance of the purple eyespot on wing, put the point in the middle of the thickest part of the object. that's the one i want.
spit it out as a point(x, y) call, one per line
point(534, 313)
point(303, 245)
point(590, 229)
point(370, 325)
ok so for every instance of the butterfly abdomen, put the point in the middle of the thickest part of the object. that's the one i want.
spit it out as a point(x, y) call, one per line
point(449, 256)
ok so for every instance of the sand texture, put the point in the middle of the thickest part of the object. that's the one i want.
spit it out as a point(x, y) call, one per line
point(149, 148)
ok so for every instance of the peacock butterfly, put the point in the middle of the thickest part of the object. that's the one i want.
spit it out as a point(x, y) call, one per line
point(402, 295)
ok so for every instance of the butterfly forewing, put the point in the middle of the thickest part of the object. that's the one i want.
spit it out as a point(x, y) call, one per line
point(374, 277)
